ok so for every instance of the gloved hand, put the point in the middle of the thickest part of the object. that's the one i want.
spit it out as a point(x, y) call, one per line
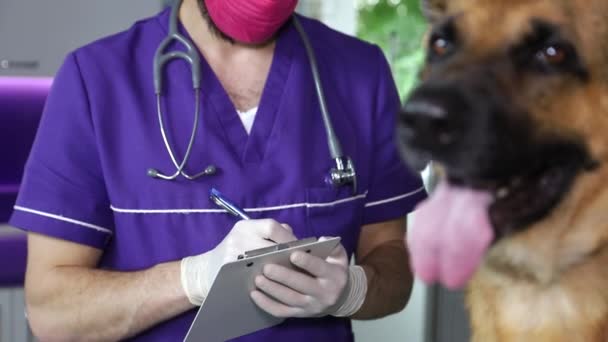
point(199, 272)
point(331, 287)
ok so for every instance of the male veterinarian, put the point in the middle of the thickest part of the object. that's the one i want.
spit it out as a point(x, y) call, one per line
point(121, 249)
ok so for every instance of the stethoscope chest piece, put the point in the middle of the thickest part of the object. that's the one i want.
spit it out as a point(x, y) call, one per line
point(343, 174)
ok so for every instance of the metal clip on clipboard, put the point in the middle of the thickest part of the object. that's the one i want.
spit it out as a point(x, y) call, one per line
point(277, 247)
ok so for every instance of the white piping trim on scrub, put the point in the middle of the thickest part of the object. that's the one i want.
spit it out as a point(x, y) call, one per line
point(251, 210)
point(309, 205)
point(167, 211)
point(65, 219)
point(393, 199)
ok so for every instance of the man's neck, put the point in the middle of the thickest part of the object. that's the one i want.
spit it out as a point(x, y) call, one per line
point(210, 43)
point(242, 69)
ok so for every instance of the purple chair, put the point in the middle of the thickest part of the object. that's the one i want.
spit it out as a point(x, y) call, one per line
point(21, 104)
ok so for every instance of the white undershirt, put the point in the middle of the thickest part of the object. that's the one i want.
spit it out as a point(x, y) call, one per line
point(247, 118)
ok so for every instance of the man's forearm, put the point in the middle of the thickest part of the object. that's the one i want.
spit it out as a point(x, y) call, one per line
point(76, 303)
point(389, 281)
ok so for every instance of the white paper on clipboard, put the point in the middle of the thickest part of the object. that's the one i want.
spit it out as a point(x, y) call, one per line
point(228, 311)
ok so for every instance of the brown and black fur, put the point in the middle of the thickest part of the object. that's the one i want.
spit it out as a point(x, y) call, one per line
point(545, 278)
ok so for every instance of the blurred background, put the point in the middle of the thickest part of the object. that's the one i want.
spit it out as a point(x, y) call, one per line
point(35, 36)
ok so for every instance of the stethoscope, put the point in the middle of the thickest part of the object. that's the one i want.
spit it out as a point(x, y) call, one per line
point(343, 174)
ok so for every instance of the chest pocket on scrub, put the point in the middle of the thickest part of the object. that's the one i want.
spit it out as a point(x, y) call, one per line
point(335, 212)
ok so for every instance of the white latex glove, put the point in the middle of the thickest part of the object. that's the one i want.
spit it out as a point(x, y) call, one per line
point(199, 272)
point(330, 287)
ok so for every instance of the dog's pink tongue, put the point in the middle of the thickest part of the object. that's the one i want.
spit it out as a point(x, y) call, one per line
point(450, 234)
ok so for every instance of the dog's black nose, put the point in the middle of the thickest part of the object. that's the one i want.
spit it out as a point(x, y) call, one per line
point(426, 125)
point(433, 124)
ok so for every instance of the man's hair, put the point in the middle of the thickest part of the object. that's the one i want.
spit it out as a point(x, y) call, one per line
point(212, 26)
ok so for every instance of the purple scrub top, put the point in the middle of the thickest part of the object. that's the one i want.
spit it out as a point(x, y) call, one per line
point(86, 181)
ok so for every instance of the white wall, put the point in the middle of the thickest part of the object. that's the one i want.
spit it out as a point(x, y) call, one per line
point(43, 32)
point(341, 15)
point(406, 326)
point(338, 14)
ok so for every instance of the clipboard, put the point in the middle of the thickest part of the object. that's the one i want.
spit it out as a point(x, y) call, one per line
point(228, 311)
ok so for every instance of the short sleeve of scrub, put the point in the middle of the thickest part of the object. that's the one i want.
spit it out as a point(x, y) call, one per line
point(62, 194)
point(394, 190)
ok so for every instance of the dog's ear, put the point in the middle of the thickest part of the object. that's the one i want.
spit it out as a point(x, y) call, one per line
point(433, 9)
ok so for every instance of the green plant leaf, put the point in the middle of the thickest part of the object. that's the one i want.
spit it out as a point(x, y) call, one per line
point(397, 26)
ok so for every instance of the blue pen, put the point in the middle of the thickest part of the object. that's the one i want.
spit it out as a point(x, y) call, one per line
point(224, 203)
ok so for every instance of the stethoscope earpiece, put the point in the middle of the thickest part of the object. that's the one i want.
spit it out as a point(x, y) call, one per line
point(153, 173)
point(210, 170)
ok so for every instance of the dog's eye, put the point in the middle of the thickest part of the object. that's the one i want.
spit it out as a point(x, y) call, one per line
point(559, 57)
point(545, 51)
point(442, 41)
point(439, 46)
point(552, 55)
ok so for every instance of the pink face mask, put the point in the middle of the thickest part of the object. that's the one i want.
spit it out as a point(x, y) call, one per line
point(250, 21)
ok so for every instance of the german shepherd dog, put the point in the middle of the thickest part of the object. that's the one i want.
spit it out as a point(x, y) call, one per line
point(513, 108)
